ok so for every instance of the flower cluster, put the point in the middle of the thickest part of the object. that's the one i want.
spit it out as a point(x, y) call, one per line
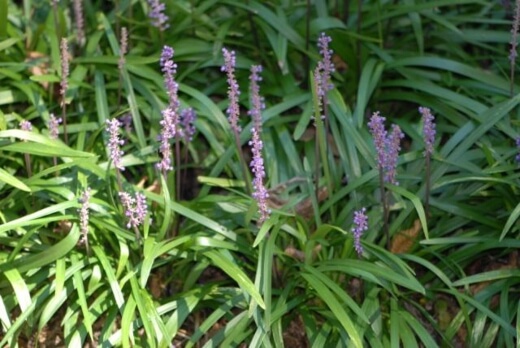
point(360, 225)
point(115, 143)
point(387, 146)
point(156, 14)
point(54, 122)
point(325, 65)
point(257, 163)
point(323, 71)
point(65, 57)
point(135, 208)
point(170, 121)
point(84, 215)
point(26, 126)
point(233, 109)
point(428, 129)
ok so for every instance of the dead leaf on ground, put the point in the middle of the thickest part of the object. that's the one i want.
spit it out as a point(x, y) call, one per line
point(404, 240)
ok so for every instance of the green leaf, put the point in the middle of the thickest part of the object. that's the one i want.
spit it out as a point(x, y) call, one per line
point(232, 270)
point(50, 254)
point(11, 180)
point(328, 297)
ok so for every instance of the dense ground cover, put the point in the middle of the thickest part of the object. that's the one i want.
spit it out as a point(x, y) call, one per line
point(164, 189)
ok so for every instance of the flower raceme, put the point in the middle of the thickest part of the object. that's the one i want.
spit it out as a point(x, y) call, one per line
point(170, 121)
point(387, 146)
point(157, 15)
point(257, 163)
point(360, 226)
point(428, 129)
point(233, 109)
point(135, 208)
point(115, 143)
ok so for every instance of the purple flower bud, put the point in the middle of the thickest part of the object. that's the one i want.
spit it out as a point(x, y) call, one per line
point(257, 164)
point(233, 109)
point(114, 143)
point(156, 14)
point(26, 126)
point(53, 126)
point(428, 129)
point(360, 225)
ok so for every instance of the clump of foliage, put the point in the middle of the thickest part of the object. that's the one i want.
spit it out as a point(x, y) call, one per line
point(135, 213)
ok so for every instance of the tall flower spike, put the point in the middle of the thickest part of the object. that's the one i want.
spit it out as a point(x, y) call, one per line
point(123, 48)
point(115, 143)
point(360, 226)
point(53, 126)
point(257, 164)
point(428, 129)
point(170, 122)
point(393, 148)
point(233, 109)
point(80, 22)
point(65, 57)
point(325, 65)
point(84, 215)
point(156, 14)
point(377, 128)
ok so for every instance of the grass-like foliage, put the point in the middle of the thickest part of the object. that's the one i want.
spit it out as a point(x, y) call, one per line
point(265, 174)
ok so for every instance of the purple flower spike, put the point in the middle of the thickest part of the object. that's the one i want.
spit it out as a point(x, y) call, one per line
point(53, 126)
point(393, 148)
point(428, 129)
point(115, 143)
point(170, 122)
point(156, 14)
point(260, 193)
point(325, 65)
point(387, 147)
point(360, 226)
point(233, 110)
point(188, 117)
point(84, 215)
point(377, 128)
point(135, 208)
